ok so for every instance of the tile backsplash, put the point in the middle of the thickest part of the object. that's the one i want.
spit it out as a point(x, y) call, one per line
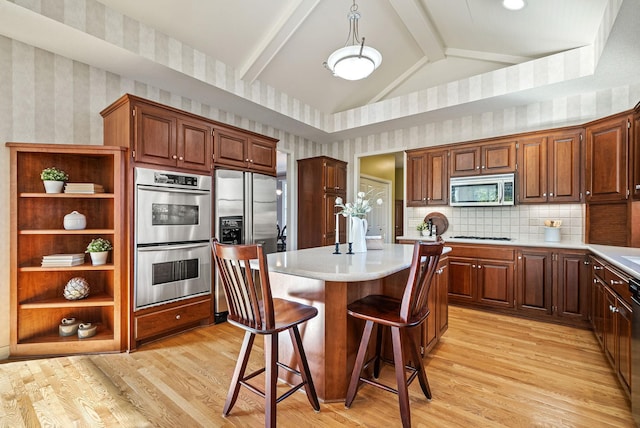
point(520, 222)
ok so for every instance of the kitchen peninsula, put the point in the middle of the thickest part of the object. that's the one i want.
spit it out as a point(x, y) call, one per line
point(330, 282)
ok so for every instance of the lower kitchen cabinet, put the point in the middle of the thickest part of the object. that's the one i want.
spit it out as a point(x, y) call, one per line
point(612, 318)
point(438, 320)
point(483, 277)
point(553, 284)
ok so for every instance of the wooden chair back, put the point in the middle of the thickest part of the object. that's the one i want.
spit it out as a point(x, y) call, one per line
point(424, 263)
point(249, 303)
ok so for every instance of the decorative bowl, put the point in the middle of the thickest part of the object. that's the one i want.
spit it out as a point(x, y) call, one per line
point(77, 288)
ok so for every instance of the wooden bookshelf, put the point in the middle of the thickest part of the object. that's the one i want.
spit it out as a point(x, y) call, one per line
point(37, 302)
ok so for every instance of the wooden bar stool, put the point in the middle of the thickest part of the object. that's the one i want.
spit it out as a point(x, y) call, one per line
point(401, 316)
point(252, 308)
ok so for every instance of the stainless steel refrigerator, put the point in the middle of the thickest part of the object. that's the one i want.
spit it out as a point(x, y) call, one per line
point(245, 213)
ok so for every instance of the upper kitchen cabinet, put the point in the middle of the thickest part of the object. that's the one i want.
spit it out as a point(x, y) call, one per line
point(240, 149)
point(496, 157)
point(320, 181)
point(635, 155)
point(159, 135)
point(427, 177)
point(606, 173)
point(549, 167)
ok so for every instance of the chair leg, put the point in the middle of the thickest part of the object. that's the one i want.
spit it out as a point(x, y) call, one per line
point(271, 378)
point(422, 374)
point(401, 379)
point(357, 368)
point(238, 373)
point(378, 360)
point(298, 349)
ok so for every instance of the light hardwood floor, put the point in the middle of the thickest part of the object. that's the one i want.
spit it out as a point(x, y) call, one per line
point(489, 371)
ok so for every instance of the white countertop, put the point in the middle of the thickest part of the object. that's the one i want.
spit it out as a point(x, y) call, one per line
point(614, 255)
point(321, 263)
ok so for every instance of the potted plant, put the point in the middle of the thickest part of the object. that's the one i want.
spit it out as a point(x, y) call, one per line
point(423, 228)
point(99, 248)
point(53, 179)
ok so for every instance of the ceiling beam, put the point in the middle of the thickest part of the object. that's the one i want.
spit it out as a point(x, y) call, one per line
point(486, 56)
point(270, 45)
point(399, 80)
point(421, 27)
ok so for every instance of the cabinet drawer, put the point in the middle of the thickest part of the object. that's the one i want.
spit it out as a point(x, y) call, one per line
point(618, 283)
point(484, 252)
point(170, 319)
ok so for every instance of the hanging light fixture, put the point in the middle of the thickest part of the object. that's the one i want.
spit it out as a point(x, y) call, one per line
point(354, 61)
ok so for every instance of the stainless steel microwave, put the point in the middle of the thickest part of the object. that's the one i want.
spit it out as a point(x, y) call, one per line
point(482, 190)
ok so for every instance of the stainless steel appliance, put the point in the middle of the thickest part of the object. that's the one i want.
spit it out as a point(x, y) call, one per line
point(634, 287)
point(245, 213)
point(483, 190)
point(172, 233)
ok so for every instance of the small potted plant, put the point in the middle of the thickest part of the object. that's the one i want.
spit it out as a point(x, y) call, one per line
point(423, 228)
point(53, 179)
point(99, 248)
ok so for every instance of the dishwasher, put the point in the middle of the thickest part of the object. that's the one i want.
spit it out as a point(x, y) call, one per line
point(634, 287)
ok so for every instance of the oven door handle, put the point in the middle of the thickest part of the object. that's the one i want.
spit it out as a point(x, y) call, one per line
point(172, 190)
point(172, 247)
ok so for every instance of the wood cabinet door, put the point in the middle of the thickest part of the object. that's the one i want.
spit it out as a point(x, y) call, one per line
point(535, 282)
point(262, 155)
point(195, 145)
point(609, 329)
point(532, 170)
point(572, 289)
point(416, 179)
point(635, 158)
point(606, 160)
point(465, 161)
point(597, 309)
point(437, 174)
point(495, 283)
point(335, 177)
point(462, 273)
point(399, 217)
point(498, 158)
point(624, 319)
point(230, 148)
point(155, 135)
point(564, 166)
point(442, 310)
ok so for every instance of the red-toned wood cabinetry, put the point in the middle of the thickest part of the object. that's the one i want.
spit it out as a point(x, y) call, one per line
point(37, 218)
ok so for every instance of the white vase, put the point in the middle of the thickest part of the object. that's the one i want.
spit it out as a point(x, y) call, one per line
point(358, 233)
point(51, 186)
point(99, 258)
point(424, 233)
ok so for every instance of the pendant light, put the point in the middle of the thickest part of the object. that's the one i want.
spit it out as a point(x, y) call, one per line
point(354, 61)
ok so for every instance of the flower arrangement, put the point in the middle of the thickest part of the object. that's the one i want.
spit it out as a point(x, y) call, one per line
point(359, 208)
point(422, 226)
point(53, 174)
point(98, 245)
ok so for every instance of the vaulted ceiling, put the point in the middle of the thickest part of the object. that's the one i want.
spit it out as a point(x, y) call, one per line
point(425, 44)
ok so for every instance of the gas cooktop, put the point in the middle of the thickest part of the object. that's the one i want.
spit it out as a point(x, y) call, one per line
point(493, 238)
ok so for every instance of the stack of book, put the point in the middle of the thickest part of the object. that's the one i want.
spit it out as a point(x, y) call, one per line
point(83, 188)
point(62, 260)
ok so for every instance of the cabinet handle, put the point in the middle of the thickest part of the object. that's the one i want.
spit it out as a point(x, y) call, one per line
point(428, 199)
point(477, 167)
point(544, 194)
point(479, 266)
point(519, 257)
point(551, 194)
point(587, 193)
point(246, 160)
point(473, 266)
point(597, 267)
point(174, 157)
point(439, 271)
point(586, 262)
point(613, 309)
point(616, 282)
point(180, 158)
point(482, 166)
point(178, 316)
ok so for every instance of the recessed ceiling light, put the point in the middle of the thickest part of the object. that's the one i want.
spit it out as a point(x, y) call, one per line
point(513, 4)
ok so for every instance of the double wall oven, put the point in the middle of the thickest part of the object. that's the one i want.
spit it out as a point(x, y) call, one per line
point(172, 233)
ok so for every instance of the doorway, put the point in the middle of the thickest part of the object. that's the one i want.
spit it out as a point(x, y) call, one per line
point(380, 218)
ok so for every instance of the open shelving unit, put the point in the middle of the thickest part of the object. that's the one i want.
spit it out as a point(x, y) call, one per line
point(37, 302)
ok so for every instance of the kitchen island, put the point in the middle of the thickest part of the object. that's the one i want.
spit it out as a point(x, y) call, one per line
point(330, 282)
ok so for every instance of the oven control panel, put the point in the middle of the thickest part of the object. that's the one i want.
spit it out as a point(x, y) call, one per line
point(183, 180)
